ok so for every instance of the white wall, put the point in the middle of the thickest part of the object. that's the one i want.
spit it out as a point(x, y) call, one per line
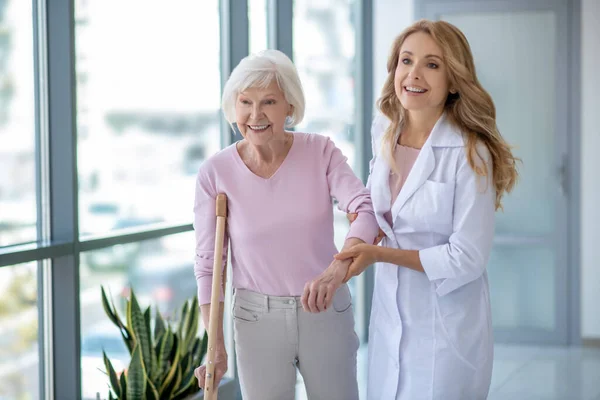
point(392, 16)
point(590, 168)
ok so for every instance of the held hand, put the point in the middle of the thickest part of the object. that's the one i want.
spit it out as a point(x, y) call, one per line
point(362, 255)
point(220, 369)
point(318, 293)
point(380, 235)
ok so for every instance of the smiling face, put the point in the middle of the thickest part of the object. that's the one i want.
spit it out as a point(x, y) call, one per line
point(420, 79)
point(260, 113)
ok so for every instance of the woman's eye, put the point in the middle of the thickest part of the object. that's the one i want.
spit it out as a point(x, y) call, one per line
point(246, 102)
point(405, 61)
point(432, 65)
point(270, 102)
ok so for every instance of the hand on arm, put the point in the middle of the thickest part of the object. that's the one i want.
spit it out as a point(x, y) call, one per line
point(318, 293)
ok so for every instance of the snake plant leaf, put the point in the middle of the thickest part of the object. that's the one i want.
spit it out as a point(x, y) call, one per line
point(152, 357)
point(123, 383)
point(141, 334)
point(164, 357)
point(113, 315)
point(203, 348)
point(112, 375)
point(151, 392)
point(186, 384)
point(171, 375)
point(159, 326)
point(183, 316)
point(191, 326)
point(136, 375)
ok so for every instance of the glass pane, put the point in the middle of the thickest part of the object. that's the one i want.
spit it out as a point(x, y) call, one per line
point(518, 69)
point(522, 277)
point(258, 25)
point(19, 345)
point(148, 106)
point(160, 271)
point(522, 287)
point(324, 51)
point(17, 125)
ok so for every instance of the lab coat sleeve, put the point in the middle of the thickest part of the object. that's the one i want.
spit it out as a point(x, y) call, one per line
point(463, 259)
point(351, 194)
point(204, 228)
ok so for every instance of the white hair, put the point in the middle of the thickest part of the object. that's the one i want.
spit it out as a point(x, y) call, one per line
point(259, 70)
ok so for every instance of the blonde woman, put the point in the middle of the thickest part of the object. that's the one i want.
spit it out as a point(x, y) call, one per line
point(439, 171)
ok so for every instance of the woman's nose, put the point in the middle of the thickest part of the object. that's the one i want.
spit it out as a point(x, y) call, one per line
point(256, 111)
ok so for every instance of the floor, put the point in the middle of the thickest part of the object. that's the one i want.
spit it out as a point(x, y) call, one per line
point(528, 373)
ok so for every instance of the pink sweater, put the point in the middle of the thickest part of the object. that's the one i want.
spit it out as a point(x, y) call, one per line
point(281, 228)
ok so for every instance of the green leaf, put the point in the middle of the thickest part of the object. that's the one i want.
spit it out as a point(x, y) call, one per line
point(114, 381)
point(186, 384)
point(108, 310)
point(171, 375)
point(186, 362)
point(165, 356)
point(110, 395)
point(123, 382)
point(203, 348)
point(152, 357)
point(159, 326)
point(141, 333)
point(151, 392)
point(184, 311)
point(136, 375)
point(191, 326)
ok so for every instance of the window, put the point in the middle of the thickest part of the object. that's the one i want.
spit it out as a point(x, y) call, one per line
point(17, 125)
point(19, 349)
point(258, 25)
point(147, 111)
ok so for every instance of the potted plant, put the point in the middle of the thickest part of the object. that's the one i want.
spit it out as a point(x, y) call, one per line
point(163, 359)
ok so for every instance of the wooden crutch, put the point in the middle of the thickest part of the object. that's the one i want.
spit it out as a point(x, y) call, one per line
point(211, 392)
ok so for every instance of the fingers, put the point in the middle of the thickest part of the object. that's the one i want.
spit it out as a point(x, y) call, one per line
point(312, 297)
point(220, 370)
point(304, 298)
point(344, 255)
point(379, 237)
point(200, 374)
point(320, 303)
point(351, 217)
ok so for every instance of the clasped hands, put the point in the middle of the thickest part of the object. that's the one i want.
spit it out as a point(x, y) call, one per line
point(318, 293)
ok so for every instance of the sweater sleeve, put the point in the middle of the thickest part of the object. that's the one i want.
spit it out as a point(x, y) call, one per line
point(351, 194)
point(205, 228)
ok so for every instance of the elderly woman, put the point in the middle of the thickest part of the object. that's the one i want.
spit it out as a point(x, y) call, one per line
point(291, 309)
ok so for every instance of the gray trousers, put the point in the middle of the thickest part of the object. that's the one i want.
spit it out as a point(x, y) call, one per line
point(274, 336)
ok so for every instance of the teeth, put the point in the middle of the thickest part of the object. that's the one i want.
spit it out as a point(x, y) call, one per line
point(414, 89)
point(258, 127)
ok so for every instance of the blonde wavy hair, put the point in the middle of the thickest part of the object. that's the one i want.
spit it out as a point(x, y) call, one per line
point(470, 109)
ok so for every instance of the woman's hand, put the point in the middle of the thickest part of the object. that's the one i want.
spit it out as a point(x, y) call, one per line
point(362, 255)
point(318, 293)
point(220, 368)
point(380, 235)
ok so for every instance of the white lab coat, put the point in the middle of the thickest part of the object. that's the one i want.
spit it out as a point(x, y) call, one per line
point(430, 334)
